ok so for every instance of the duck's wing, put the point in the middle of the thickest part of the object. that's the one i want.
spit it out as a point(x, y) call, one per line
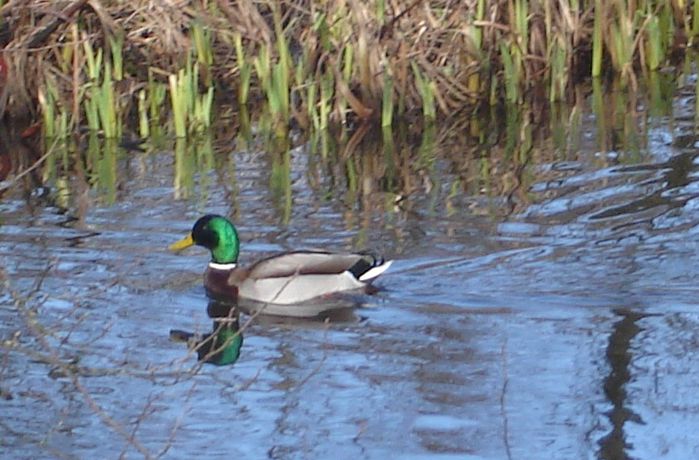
point(311, 263)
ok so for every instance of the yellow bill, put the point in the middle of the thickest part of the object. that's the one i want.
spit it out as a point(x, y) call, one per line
point(184, 243)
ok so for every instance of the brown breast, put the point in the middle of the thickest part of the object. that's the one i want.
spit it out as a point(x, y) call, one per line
point(217, 286)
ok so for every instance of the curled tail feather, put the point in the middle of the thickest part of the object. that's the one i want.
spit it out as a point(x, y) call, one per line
point(369, 267)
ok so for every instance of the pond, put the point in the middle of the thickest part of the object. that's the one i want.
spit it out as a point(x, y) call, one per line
point(542, 303)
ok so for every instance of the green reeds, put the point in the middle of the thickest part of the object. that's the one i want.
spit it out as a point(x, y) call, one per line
point(631, 32)
point(476, 34)
point(202, 38)
point(180, 90)
point(513, 52)
point(156, 95)
point(191, 111)
point(203, 46)
point(101, 109)
point(279, 95)
point(245, 70)
point(94, 69)
point(143, 122)
point(274, 75)
point(426, 88)
point(597, 44)
point(559, 50)
point(94, 60)
point(49, 109)
point(54, 117)
point(116, 45)
point(274, 79)
point(511, 73)
point(106, 103)
point(327, 91)
point(352, 61)
point(659, 32)
point(655, 47)
point(387, 102)
point(558, 74)
point(311, 105)
point(346, 76)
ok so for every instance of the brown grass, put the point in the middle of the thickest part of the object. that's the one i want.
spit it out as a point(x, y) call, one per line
point(458, 46)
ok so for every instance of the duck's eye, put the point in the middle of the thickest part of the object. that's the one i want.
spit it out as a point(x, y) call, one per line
point(206, 237)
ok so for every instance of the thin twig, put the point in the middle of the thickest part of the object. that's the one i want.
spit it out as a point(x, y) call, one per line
point(67, 368)
point(503, 403)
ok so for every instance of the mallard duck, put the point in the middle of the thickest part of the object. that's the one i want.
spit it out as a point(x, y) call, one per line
point(284, 279)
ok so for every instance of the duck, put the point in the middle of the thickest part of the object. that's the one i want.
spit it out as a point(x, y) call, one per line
point(289, 278)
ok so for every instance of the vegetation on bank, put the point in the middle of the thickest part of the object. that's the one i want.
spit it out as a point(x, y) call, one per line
point(100, 64)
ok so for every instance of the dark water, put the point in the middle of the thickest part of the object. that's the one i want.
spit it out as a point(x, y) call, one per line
point(542, 303)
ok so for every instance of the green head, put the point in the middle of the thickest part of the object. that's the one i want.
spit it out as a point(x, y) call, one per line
point(217, 234)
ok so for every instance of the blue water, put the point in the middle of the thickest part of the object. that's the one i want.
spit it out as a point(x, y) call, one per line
point(554, 319)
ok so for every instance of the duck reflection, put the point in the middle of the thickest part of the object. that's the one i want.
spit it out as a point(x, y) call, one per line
point(222, 346)
point(339, 307)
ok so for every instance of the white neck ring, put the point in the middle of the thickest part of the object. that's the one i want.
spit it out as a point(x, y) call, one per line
point(217, 266)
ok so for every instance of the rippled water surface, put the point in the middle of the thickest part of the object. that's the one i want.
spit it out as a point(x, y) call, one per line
point(543, 308)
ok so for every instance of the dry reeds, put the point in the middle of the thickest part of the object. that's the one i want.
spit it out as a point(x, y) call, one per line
point(98, 63)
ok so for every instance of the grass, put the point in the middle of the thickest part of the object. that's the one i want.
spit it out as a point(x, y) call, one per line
point(315, 65)
point(191, 109)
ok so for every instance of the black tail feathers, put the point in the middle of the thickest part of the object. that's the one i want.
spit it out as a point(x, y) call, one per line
point(366, 263)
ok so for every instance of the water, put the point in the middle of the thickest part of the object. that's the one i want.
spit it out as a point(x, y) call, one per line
point(538, 309)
